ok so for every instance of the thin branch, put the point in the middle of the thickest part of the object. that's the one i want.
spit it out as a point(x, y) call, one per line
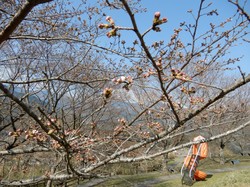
point(202, 84)
point(236, 3)
point(40, 179)
point(111, 4)
point(140, 114)
point(181, 146)
point(66, 39)
point(147, 31)
point(224, 92)
point(197, 128)
point(242, 74)
point(196, 26)
point(145, 48)
point(24, 151)
point(28, 110)
point(54, 79)
point(14, 120)
point(19, 17)
point(171, 129)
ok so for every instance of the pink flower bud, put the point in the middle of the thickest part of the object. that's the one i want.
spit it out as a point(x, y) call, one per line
point(130, 79)
point(111, 33)
point(108, 18)
point(164, 20)
point(157, 14)
point(108, 35)
point(10, 133)
point(101, 26)
point(107, 92)
point(123, 78)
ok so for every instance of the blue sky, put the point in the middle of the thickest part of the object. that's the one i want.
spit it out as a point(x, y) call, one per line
point(176, 12)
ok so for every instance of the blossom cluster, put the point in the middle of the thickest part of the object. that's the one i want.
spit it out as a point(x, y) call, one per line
point(180, 75)
point(127, 80)
point(120, 128)
point(156, 126)
point(123, 79)
point(157, 21)
point(196, 100)
point(188, 91)
point(149, 73)
point(111, 24)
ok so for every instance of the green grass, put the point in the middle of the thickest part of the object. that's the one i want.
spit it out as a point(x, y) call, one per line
point(126, 181)
point(226, 179)
point(238, 178)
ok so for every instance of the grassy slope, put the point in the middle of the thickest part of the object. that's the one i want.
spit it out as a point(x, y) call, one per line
point(128, 180)
point(240, 177)
point(226, 179)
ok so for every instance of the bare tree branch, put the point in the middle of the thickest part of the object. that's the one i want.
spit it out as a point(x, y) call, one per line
point(59, 177)
point(182, 145)
point(67, 39)
point(236, 3)
point(29, 112)
point(224, 92)
point(24, 151)
point(62, 68)
point(19, 17)
point(143, 44)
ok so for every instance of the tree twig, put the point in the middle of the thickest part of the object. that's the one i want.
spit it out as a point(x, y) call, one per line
point(19, 17)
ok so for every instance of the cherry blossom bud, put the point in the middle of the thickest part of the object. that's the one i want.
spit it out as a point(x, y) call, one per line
point(159, 63)
point(157, 14)
point(110, 20)
point(192, 90)
point(157, 29)
point(164, 20)
point(123, 78)
point(101, 26)
point(157, 21)
point(111, 33)
point(122, 121)
point(106, 26)
point(10, 133)
point(174, 72)
point(129, 79)
point(107, 92)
